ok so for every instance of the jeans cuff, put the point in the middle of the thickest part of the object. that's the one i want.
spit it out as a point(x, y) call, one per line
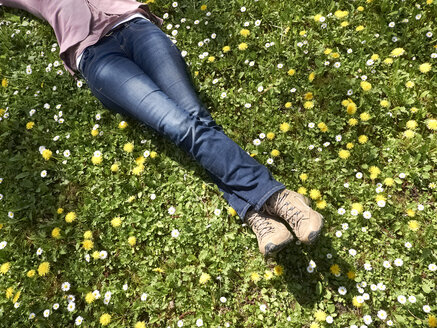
point(242, 215)
point(267, 196)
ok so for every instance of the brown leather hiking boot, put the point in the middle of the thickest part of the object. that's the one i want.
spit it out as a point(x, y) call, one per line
point(293, 208)
point(271, 233)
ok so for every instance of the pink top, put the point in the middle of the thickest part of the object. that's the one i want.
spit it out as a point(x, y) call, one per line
point(80, 23)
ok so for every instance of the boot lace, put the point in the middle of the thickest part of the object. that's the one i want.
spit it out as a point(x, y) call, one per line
point(260, 224)
point(292, 214)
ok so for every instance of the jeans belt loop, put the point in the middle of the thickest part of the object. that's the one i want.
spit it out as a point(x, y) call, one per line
point(119, 26)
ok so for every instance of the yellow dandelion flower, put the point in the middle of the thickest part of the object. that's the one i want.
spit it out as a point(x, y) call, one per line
point(321, 204)
point(327, 51)
point(94, 132)
point(203, 7)
point(365, 116)
point(411, 124)
point(60, 210)
point(16, 297)
point(70, 217)
point(278, 270)
point(153, 154)
point(409, 134)
point(431, 124)
point(158, 270)
point(268, 275)
point(138, 169)
point(211, 59)
point(140, 160)
point(287, 104)
point(411, 212)
point(311, 76)
point(302, 190)
point(96, 255)
point(4, 83)
point(315, 194)
point(255, 277)
point(322, 126)
point(43, 268)
point(356, 303)
point(96, 160)
point(29, 125)
point(245, 32)
point(308, 104)
point(374, 170)
point(87, 244)
point(275, 153)
point(204, 278)
point(351, 108)
point(359, 28)
point(88, 234)
point(360, 8)
point(358, 207)
point(105, 319)
point(374, 57)
point(140, 324)
point(425, 67)
point(388, 61)
point(432, 320)
point(353, 121)
point(389, 182)
point(302, 33)
point(89, 297)
point(320, 315)
point(349, 145)
point(344, 154)
point(116, 222)
point(335, 55)
point(284, 127)
point(242, 46)
point(291, 72)
point(308, 96)
point(345, 102)
point(114, 167)
point(132, 240)
point(362, 139)
point(31, 273)
point(226, 49)
point(335, 269)
point(351, 275)
point(341, 13)
point(56, 233)
point(409, 84)
point(46, 154)
point(384, 103)
point(270, 135)
point(122, 125)
point(4, 268)
point(380, 197)
point(303, 176)
point(128, 147)
point(413, 225)
point(9, 292)
point(314, 325)
point(397, 52)
point(317, 17)
point(366, 86)
point(231, 211)
point(344, 24)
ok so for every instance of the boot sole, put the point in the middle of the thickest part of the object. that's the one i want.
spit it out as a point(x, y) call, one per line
point(272, 249)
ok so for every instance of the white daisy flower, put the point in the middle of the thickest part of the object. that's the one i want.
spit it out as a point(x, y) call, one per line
point(144, 296)
point(65, 286)
point(382, 314)
point(171, 210)
point(46, 313)
point(342, 290)
point(402, 299)
point(175, 233)
point(367, 319)
point(199, 322)
point(71, 306)
point(341, 211)
point(426, 309)
point(398, 262)
point(78, 321)
point(223, 299)
point(352, 252)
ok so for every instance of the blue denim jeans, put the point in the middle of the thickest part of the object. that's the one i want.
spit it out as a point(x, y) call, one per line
point(137, 71)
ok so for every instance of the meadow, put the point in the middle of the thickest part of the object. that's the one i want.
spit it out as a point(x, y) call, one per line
point(105, 223)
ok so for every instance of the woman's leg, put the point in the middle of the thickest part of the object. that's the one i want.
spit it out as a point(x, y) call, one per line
point(122, 85)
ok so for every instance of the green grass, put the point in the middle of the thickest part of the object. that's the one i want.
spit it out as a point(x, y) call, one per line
point(169, 269)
